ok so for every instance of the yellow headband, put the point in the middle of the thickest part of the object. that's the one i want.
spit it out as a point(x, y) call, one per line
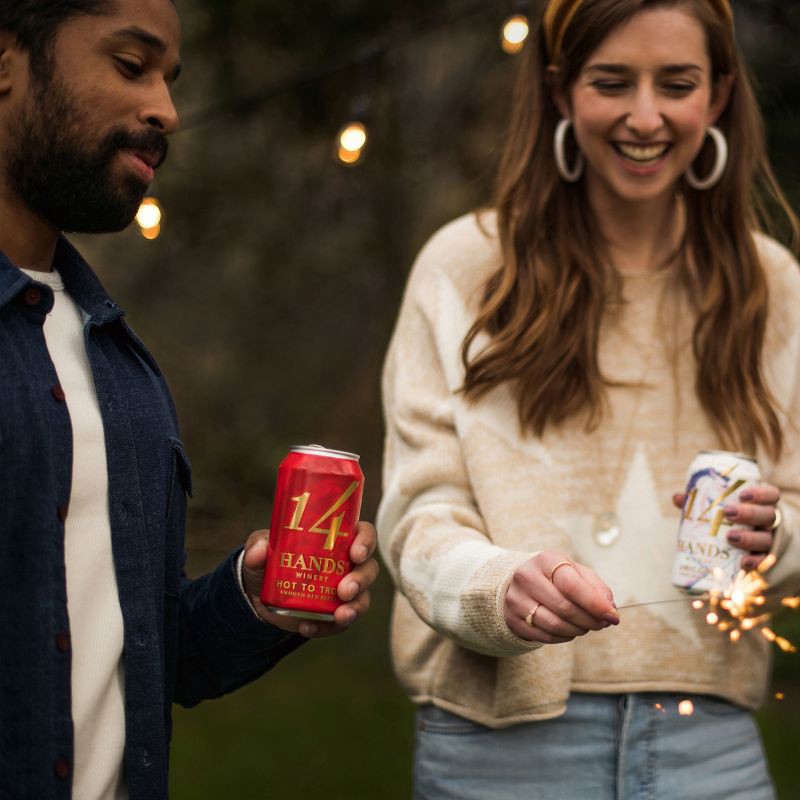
point(559, 14)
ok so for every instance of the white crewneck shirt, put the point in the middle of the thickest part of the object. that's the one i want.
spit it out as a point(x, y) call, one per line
point(95, 617)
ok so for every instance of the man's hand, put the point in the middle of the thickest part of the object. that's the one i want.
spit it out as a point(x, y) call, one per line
point(353, 589)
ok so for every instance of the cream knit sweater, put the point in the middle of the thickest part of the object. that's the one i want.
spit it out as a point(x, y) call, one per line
point(468, 498)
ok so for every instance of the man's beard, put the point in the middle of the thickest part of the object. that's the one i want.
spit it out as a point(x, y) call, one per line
point(61, 173)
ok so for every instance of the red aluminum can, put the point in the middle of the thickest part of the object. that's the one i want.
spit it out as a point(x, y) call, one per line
point(314, 516)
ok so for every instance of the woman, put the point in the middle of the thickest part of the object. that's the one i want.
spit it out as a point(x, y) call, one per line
point(556, 366)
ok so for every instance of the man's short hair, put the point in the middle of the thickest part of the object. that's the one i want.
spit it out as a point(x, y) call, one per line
point(36, 22)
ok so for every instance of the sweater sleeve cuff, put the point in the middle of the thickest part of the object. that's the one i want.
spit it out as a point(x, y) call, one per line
point(510, 642)
point(240, 582)
point(784, 577)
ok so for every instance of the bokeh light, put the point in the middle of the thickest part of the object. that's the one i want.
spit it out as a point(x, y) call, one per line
point(515, 32)
point(148, 218)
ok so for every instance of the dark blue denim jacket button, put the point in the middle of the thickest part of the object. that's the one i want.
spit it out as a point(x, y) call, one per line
point(33, 296)
point(63, 510)
point(63, 641)
point(61, 768)
point(58, 393)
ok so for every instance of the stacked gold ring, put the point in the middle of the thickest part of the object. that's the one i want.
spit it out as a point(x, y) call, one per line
point(529, 617)
point(557, 567)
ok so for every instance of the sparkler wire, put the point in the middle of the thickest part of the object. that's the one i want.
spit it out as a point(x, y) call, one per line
point(690, 599)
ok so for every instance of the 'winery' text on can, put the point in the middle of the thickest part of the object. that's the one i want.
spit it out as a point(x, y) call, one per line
point(314, 516)
point(705, 559)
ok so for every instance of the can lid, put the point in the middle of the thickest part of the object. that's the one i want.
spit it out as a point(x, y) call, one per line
point(743, 456)
point(320, 450)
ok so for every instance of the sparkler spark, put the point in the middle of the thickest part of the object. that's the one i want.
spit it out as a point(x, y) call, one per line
point(737, 608)
point(686, 708)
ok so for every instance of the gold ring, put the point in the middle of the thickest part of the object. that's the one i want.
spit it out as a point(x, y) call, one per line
point(557, 567)
point(778, 519)
point(531, 614)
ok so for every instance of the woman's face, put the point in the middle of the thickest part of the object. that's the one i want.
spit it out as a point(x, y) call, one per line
point(641, 106)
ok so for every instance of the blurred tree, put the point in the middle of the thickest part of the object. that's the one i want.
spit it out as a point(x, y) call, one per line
point(271, 293)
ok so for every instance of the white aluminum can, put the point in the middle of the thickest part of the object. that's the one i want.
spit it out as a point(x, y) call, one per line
point(705, 559)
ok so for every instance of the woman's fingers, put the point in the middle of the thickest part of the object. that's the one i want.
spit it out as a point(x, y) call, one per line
point(756, 516)
point(591, 577)
point(764, 494)
point(574, 602)
point(517, 609)
point(580, 597)
point(562, 603)
point(545, 620)
point(750, 561)
point(752, 541)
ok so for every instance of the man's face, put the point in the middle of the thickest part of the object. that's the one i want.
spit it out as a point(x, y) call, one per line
point(84, 145)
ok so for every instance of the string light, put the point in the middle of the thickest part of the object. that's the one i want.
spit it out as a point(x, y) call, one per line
point(353, 135)
point(148, 218)
point(515, 31)
point(351, 141)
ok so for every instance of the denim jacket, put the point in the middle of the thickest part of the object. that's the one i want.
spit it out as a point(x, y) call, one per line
point(184, 640)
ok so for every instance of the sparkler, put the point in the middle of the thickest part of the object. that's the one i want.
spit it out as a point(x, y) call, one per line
point(735, 609)
point(739, 607)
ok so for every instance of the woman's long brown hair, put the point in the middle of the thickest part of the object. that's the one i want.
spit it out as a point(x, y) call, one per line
point(543, 308)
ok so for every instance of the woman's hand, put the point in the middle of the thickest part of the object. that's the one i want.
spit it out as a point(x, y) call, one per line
point(757, 507)
point(552, 599)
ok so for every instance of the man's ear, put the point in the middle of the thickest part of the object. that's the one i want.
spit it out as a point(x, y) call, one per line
point(12, 60)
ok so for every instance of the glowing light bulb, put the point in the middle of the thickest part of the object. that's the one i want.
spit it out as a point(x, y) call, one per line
point(151, 233)
point(515, 32)
point(149, 213)
point(351, 141)
point(353, 137)
point(349, 156)
point(686, 708)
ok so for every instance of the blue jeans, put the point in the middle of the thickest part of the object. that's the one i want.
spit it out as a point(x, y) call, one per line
point(606, 747)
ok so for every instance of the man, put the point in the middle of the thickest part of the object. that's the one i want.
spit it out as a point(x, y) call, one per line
point(100, 630)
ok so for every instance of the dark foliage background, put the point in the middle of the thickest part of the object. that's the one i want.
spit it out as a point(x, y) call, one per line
point(270, 297)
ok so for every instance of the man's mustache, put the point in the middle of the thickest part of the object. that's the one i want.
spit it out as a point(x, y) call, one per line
point(150, 141)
